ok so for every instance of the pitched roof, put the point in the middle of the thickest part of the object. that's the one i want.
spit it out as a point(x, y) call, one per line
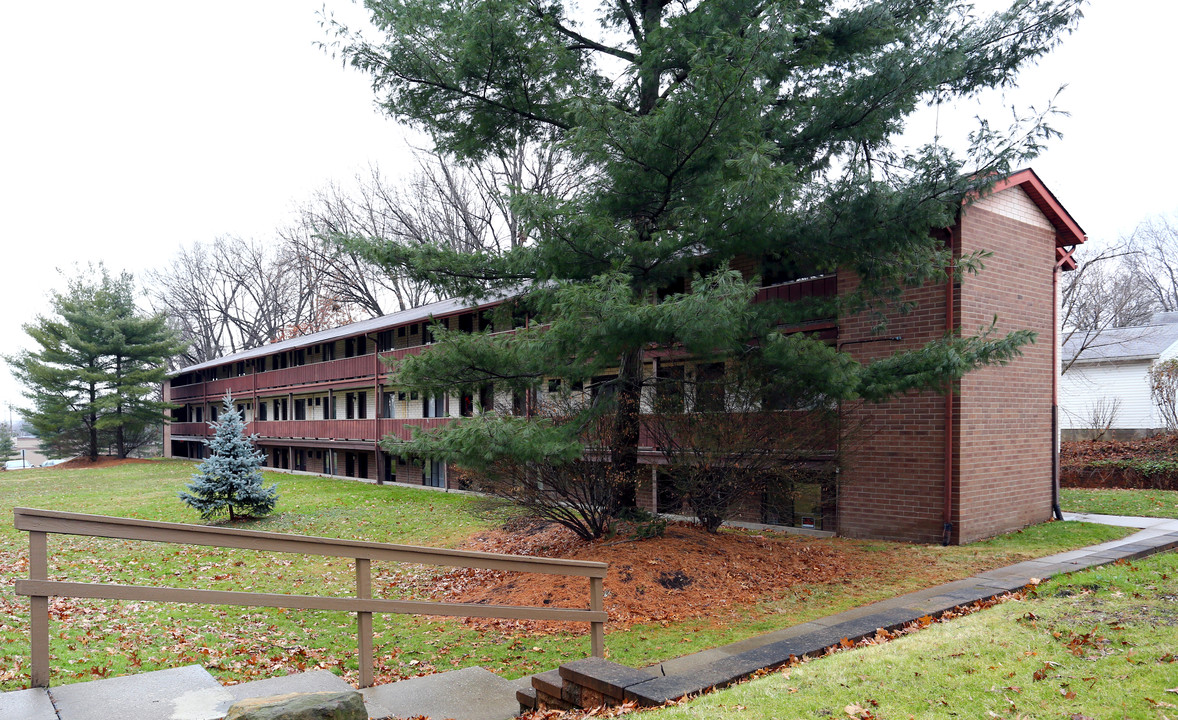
point(1146, 342)
point(438, 309)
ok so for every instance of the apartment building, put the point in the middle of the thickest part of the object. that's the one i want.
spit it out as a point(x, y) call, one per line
point(925, 467)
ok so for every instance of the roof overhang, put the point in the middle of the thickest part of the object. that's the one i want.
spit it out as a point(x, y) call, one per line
point(1068, 233)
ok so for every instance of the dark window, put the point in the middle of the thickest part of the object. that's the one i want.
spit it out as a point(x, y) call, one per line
point(413, 329)
point(350, 406)
point(300, 409)
point(709, 387)
point(401, 331)
point(435, 406)
point(603, 387)
point(554, 385)
point(384, 340)
point(669, 389)
point(200, 415)
point(328, 351)
point(466, 404)
point(487, 398)
point(362, 405)
point(486, 320)
point(300, 357)
point(262, 411)
point(519, 405)
point(466, 322)
point(350, 347)
point(362, 470)
point(389, 409)
point(213, 412)
point(427, 335)
point(434, 473)
point(350, 464)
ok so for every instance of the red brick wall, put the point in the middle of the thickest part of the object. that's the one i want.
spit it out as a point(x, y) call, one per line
point(891, 487)
point(1004, 443)
point(894, 482)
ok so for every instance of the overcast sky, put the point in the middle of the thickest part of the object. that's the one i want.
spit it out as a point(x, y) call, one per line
point(129, 129)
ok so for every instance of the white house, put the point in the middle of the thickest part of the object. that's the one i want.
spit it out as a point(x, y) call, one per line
point(1107, 386)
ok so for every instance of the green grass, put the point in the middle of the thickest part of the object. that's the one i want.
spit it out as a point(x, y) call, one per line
point(1097, 644)
point(91, 638)
point(1145, 503)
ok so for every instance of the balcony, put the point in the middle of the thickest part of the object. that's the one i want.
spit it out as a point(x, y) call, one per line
point(362, 366)
point(820, 287)
point(370, 429)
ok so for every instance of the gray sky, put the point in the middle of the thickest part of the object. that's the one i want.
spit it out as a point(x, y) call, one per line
point(132, 128)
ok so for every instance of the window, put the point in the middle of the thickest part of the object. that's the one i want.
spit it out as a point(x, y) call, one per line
point(328, 351)
point(427, 335)
point(669, 389)
point(466, 322)
point(384, 340)
point(413, 329)
point(486, 320)
point(519, 403)
point(603, 387)
point(389, 407)
point(434, 473)
point(362, 405)
point(554, 385)
point(487, 398)
point(350, 347)
point(434, 406)
point(199, 415)
point(262, 411)
point(213, 411)
point(401, 331)
point(709, 387)
point(350, 406)
point(300, 409)
point(466, 404)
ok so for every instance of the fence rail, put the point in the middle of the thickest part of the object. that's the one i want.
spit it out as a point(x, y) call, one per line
point(41, 523)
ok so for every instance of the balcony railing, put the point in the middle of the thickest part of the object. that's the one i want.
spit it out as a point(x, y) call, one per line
point(39, 587)
point(369, 429)
point(362, 366)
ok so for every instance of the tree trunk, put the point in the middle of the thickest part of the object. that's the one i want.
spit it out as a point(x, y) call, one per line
point(93, 424)
point(624, 450)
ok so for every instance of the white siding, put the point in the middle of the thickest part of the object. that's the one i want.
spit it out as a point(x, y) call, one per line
point(1084, 386)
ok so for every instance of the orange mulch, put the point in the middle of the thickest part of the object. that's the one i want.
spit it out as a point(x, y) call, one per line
point(688, 573)
point(84, 461)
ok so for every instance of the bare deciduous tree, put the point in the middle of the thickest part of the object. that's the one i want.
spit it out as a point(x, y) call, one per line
point(1101, 295)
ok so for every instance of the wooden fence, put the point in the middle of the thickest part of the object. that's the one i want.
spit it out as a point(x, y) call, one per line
point(40, 523)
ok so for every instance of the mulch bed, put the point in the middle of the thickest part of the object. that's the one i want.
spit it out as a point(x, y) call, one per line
point(688, 573)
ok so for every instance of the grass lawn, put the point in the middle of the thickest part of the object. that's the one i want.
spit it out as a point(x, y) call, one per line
point(1147, 503)
point(1096, 644)
point(101, 638)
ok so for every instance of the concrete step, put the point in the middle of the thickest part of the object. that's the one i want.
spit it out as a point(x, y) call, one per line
point(185, 693)
point(469, 694)
point(31, 704)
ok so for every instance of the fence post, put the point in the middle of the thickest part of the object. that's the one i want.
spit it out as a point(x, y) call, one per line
point(597, 629)
point(364, 621)
point(39, 609)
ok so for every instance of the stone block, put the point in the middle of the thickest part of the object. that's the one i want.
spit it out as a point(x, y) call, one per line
point(301, 706)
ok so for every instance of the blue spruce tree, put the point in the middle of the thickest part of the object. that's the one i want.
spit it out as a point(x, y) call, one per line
point(230, 479)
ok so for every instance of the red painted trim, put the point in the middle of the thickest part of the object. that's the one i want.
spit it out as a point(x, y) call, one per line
point(1068, 231)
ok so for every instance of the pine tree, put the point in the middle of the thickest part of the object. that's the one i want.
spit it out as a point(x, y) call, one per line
point(709, 131)
point(97, 368)
point(7, 445)
point(230, 479)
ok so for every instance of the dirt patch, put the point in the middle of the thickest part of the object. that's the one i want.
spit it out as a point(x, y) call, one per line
point(102, 461)
point(686, 574)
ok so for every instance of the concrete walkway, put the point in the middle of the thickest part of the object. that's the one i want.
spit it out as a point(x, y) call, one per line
point(474, 694)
